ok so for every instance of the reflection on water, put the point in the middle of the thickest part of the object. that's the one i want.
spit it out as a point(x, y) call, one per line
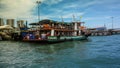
point(101, 52)
point(54, 48)
point(18, 54)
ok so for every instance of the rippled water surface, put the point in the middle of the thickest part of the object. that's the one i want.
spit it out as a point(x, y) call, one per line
point(97, 52)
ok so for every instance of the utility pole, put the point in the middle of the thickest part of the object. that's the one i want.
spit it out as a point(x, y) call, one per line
point(112, 22)
point(38, 3)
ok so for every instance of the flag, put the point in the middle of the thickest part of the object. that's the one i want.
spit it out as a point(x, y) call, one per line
point(80, 17)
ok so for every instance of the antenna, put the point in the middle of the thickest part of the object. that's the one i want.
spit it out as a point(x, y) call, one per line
point(62, 19)
point(74, 18)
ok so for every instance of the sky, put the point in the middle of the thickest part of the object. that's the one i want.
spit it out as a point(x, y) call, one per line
point(95, 13)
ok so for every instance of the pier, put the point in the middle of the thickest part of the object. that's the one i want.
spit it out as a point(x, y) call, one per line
point(105, 32)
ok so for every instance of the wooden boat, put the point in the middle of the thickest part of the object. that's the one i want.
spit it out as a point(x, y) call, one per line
point(54, 39)
point(53, 32)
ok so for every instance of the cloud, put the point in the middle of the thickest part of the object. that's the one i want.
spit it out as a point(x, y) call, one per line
point(80, 4)
point(97, 18)
point(108, 4)
point(16, 8)
point(26, 8)
point(21, 8)
point(61, 12)
point(50, 2)
point(95, 10)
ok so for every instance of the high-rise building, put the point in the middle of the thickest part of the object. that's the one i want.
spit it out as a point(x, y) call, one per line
point(10, 22)
point(1, 22)
point(20, 23)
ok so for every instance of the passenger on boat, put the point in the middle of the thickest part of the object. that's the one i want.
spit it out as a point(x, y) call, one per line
point(43, 36)
point(28, 36)
point(87, 33)
point(82, 32)
point(32, 36)
point(37, 35)
point(58, 35)
point(48, 34)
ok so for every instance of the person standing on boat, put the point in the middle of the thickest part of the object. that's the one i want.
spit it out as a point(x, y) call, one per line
point(37, 35)
point(43, 36)
point(48, 34)
point(28, 36)
point(82, 30)
point(58, 36)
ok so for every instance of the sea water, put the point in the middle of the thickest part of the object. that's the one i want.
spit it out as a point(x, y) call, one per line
point(96, 52)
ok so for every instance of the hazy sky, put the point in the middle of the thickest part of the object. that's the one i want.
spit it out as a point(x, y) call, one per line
point(95, 13)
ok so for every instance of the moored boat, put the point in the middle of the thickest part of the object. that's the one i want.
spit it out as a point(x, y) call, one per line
point(49, 31)
point(54, 39)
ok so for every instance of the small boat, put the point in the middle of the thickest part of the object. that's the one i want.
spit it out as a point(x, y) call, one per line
point(49, 31)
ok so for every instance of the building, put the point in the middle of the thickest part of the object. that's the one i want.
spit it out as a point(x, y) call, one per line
point(20, 23)
point(101, 28)
point(1, 22)
point(10, 22)
point(97, 29)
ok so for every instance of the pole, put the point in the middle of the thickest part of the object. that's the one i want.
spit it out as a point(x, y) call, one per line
point(62, 19)
point(38, 2)
point(26, 24)
point(112, 22)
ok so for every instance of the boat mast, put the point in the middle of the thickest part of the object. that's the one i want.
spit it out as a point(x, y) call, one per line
point(62, 19)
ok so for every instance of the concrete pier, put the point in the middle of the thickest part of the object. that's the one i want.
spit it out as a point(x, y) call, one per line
point(105, 33)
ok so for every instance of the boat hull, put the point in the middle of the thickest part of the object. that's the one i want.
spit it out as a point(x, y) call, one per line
point(56, 39)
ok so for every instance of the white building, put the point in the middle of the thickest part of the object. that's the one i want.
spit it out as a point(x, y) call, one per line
point(10, 22)
point(20, 23)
